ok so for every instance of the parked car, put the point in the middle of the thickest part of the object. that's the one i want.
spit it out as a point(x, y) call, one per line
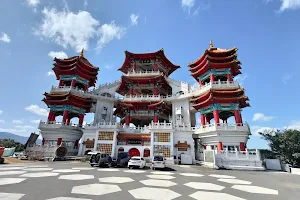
point(121, 160)
point(158, 162)
point(99, 159)
point(136, 161)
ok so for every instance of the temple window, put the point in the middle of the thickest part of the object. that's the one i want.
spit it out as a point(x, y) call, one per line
point(161, 137)
point(162, 150)
point(106, 148)
point(106, 135)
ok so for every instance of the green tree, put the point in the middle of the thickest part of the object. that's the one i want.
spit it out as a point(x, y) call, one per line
point(285, 145)
point(9, 143)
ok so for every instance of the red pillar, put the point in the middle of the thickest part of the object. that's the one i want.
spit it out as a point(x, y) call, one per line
point(212, 78)
point(53, 117)
point(202, 119)
point(220, 146)
point(155, 91)
point(43, 141)
point(59, 141)
point(204, 146)
point(73, 82)
point(155, 67)
point(216, 117)
point(242, 146)
point(68, 121)
point(237, 117)
point(229, 77)
point(200, 83)
point(76, 144)
point(86, 87)
point(65, 116)
point(60, 83)
point(127, 120)
point(50, 116)
point(241, 117)
point(155, 120)
point(81, 117)
point(131, 90)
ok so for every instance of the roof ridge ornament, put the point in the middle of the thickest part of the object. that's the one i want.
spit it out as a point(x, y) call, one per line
point(211, 44)
point(81, 53)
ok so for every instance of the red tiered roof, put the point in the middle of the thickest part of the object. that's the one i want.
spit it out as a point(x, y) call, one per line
point(127, 80)
point(216, 58)
point(76, 65)
point(158, 55)
point(67, 98)
point(221, 96)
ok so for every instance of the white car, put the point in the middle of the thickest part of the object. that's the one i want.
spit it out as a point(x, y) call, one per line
point(136, 161)
point(158, 162)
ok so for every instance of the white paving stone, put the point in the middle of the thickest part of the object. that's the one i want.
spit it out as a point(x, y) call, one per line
point(114, 179)
point(108, 170)
point(76, 177)
point(200, 195)
point(221, 176)
point(184, 166)
point(135, 171)
point(66, 170)
point(67, 198)
point(255, 189)
point(38, 169)
point(166, 177)
point(6, 173)
point(96, 189)
point(11, 168)
point(163, 173)
point(204, 186)
point(38, 166)
point(6, 181)
point(158, 183)
point(83, 168)
point(235, 181)
point(39, 174)
point(10, 196)
point(149, 193)
point(191, 174)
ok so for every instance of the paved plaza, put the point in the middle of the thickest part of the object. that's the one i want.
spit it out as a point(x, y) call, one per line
point(79, 181)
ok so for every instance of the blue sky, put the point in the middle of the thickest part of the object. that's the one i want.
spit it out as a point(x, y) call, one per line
point(266, 32)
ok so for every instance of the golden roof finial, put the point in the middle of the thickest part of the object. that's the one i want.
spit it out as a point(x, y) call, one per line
point(82, 52)
point(211, 44)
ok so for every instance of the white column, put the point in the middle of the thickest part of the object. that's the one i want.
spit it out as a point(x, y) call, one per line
point(172, 144)
point(80, 153)
point(96, 140)
point(114, 144)
point(151, 145)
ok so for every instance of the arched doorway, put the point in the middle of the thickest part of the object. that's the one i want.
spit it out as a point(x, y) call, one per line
point(146, 153)
point(121, 149)
point(134, 152)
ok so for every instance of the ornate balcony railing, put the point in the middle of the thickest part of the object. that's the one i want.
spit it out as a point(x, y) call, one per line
point(54, 124)
point(114, 125)
point(158, 125)
point(142, 97)
point(242, 127)
point(144, 73)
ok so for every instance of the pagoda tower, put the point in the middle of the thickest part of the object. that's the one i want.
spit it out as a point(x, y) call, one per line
point(70, 100)
point(220, 98)
point(143, 86)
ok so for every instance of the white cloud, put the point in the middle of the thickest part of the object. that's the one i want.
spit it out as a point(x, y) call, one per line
point(33, 4)
point(285, 79)
point(189, 4)
point(294, 125)
point(2, 121)
point(35, 121)
point(262, 117)
point(255, 130)
point(57, 54)
point(50, 73)
point(16, 121)
point(85, 4)
point(241, 78)
point(108, 32)
point(19, 130)
point(68, 29)
point(37, 110)
point(1, 112)
point(24, 127)
point(5, 38)
point(289, 5)
point(134, 19)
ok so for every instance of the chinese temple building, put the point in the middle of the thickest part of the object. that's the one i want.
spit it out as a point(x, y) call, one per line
point(157, 114)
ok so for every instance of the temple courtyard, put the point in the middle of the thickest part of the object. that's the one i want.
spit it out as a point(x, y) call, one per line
point(79, 181)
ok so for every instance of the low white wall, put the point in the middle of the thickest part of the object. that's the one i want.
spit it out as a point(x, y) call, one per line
point(295, 171)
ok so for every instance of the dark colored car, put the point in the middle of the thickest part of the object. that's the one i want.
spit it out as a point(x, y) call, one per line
point(100, 159)
point(121, 160)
